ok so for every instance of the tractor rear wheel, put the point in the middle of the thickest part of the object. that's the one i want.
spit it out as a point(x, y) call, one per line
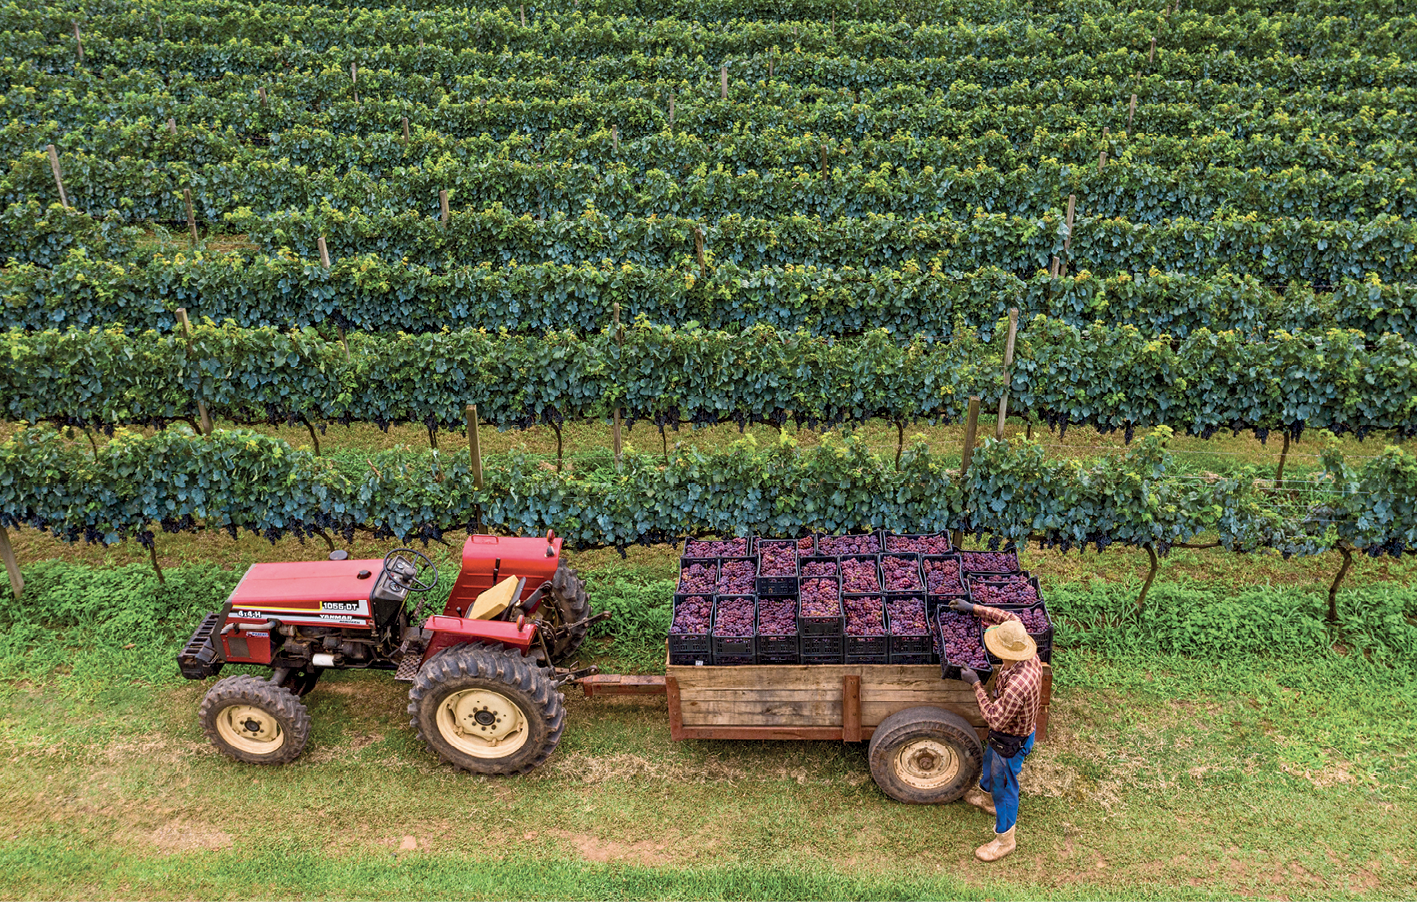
point(925, 755)
point(487, 710)
point(253, 720)
point(566, 604)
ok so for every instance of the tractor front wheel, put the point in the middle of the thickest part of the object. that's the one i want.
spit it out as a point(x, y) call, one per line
point(566, 604)
point(487, 710)
point(253, 720)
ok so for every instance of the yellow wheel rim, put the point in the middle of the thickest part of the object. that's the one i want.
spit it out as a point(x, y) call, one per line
point(482, 723)
point(927, 764)
point(250, 729)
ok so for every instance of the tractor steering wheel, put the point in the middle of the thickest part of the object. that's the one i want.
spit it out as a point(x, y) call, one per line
point(412, 582)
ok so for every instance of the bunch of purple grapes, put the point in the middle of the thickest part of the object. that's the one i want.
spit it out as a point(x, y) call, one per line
point(716, 548)
point(995, 594)
point(959, 637)
point(1034, 620)
point(907, 616)
point(901, 574)
point(734, 618)
point(777, 617)
point(863, 616)
point(859, 575)
point(820, 598)
point(1020, 585)
point(806, 546)
point(919, 544)
point(777, 558)
point(834, 545)
point(736, 577)
point(698, 579)
point(990, 561)
point(819, 568)
point(691, 616)
point(942, 577)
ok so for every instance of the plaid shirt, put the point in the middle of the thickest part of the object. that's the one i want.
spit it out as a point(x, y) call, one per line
point(1019, 688)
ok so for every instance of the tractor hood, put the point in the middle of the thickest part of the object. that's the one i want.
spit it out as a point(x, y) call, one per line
point(305, 584)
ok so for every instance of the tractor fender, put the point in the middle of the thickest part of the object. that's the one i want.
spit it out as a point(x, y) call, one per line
point(450, 631)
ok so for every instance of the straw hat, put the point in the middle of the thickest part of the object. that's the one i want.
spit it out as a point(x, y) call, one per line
point(1010, 641)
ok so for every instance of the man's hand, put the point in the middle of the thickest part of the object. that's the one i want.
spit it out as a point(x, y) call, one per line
point(964, 607)
point(969, 676)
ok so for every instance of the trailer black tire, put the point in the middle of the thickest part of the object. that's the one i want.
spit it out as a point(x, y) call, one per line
point(925, 755)
point(568, 604)
point(469, 700)
point(254, 720)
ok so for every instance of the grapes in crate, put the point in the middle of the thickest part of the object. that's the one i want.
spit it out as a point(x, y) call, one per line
point(994, 594)
point(777, 617)
point(1033, 619)
point(990, 561)
point(806, 546)
point(942, 577)
point(859, 575)
point(777, 559)
point(698, 579)
point(901, 574)
point(819, 568)
point(959, 637)
point(863, 616)
point(736, 577)
point(907, 616)
point(1020, 588)
point(735, 618)
point(819, 598)
point(691, 616)
point(919, 544)
point(716, 548)
point(837, 545)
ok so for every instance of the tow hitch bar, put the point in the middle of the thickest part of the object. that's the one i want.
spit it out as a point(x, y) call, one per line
point(565, 675)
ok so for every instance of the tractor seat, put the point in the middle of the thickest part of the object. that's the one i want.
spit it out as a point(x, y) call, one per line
point(497, 599)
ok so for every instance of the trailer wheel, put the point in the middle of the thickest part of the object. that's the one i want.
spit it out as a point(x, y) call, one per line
point(487, 710)
point(925, 755)
point(253, 720)
point(568, 604)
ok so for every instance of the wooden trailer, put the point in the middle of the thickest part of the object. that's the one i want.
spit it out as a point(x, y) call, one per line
point(926, 733)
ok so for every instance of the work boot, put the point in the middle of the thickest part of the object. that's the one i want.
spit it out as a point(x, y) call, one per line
point(980, 799)
point(1002, 845)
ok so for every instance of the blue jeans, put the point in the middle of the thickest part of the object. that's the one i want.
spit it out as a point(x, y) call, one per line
point(1000, 777)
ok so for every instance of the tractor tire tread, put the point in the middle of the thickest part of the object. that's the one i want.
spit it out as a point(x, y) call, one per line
point(285, 705)
point(568, 595)
point(917, 721)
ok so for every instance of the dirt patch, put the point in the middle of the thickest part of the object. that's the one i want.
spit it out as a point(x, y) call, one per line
point(1324, 777)
point(182, 836)
point(601, 850)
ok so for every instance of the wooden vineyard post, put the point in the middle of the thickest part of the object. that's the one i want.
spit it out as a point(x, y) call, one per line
point(770, 67)
point(325, 262)
point(522, 9)
point(474, 450)
point(191, 219)
point(58, 176)
point(620, 342)
point(699, 251)
point(1131, 112)
point(1068, 239)
point(172, 126)
point(79, 43)
point(1151, 55)
point(405, 129)
point(723, 82)
point(826, 166)
point(671, 112)
point(261, 93)
point(354, 80)
point(971, 430)
point(443, 206)
point(1053, 268)
point(206, 421)
point(1008, 364)
point(615, 138)
point(1101, 161)
point(12, 567)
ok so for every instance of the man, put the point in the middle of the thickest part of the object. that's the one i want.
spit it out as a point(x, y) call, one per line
point(1011, 715)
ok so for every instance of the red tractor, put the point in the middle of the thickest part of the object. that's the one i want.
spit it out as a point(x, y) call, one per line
point(485, 693)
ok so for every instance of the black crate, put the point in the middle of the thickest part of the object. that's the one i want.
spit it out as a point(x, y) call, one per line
point(910, 645)
point(908, 558)
point(821, 649)
point(691, 648)
point(752, 586)
point(711, 563)
point(811, 541)
point(732, 649)
point(802, 563)
point(821, 626)
point(976, 579)
point(913, 659)
point(927, 559)
point(780, 660)
point(1044, 639)
point(886, 536)
point(830, 552)
point(776, 586)
point(950, 669)
point(859, 649)
point(734, 660)
point(967, 556)
point(684, 552)
point(874, 560)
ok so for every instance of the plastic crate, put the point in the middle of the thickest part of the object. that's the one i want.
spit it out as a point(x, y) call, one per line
point(701, 553)
point(906, 559)
point(950, 669)
point(977, 579)
point(776, 649)
point(913, 659)
point(1043, 639)
point(830, 551)
point(911, 645)
point(973, 562)
point(811, 542)
point(776, 586)
point(803, 562)
point(887, 536)
point(821, 649)
point(711, 563)
point(734, 649)
point(821, 626)
point(690, 648)
point(925, 562)
point(751, 587)
point(874, 560)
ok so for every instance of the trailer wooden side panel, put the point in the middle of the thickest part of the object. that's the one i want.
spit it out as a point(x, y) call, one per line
point(821, 701)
